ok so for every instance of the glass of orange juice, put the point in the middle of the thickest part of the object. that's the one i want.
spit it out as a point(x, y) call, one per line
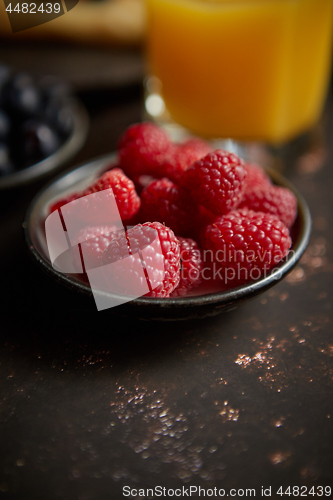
point(250, 70)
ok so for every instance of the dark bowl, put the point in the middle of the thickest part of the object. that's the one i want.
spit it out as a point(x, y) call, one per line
point(56, 160)
point(180, 308)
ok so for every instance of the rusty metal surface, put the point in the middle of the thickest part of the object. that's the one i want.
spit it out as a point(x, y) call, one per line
point(89, 404)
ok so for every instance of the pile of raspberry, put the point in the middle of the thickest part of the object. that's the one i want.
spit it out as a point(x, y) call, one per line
point(215, 216)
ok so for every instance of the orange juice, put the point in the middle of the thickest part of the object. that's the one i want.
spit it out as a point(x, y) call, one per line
point(245, 69)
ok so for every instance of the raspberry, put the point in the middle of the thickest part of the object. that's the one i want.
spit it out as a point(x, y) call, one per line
point(93, 240)
point(246, 243)
point(160, 259)
point(275, 200)
point(142, 148)
point(256, 177)
point(98, 211)
point(217, 181)
point(165, 202)
point(128, 201)
point(191, 266)
point(181, 157)
point(63, 201)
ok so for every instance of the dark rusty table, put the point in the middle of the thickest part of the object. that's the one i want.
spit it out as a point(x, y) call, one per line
point(91, 402)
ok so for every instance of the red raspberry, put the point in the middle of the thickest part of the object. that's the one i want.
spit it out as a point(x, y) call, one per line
point(191, 267)
point(97, 211)
point(256, 177)
point(165, 202)
point(274, 200)
point(93, 240)
point(246, 243)
point(63, 201)
point(142, 148)
point(217, 181)
point(160, 260)
point(128, 201)
point(181, 157)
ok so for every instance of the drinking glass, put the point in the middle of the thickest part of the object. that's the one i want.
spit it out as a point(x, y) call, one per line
point(250, 71)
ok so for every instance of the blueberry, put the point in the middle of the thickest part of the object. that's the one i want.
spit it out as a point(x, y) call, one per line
point(21, 95)
point(57, 106)
point(39, 140)
point(6, 166)
point(4, 125)
point(61, 118)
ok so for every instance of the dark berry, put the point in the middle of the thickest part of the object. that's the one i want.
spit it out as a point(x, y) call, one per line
point(39, 140)
point(21, 95)
point(60, 117)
